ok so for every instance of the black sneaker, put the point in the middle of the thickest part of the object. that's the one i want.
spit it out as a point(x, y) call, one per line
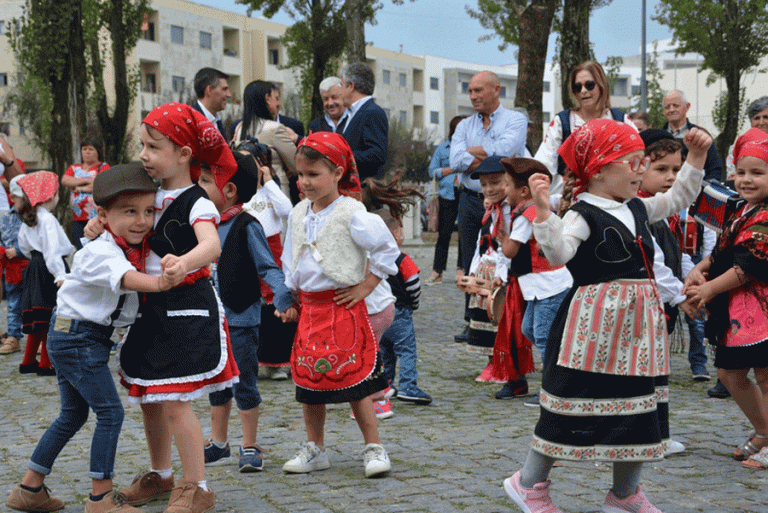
point(414, 395)
point(700, 374)
point(719, 391)
point(533, 402)
point(463, 337)
point(214, 454)
point(250, 460)
point(512, 389)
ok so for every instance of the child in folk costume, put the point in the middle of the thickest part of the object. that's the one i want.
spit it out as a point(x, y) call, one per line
point(732, 284)
point(488, 262)
point(13, 265)
point(335, 255)
point(179, 348)
point(43, 241)
point(271, 207)
point(609, 342)
point(541, 285)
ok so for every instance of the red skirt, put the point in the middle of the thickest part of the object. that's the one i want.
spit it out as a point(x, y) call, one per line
point(512, 356)
point(335, 348)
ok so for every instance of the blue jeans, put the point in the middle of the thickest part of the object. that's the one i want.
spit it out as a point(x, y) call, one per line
point(13, 295)
point(399, 341)
point(81, 357)
point(245, 345)
point(538, 319)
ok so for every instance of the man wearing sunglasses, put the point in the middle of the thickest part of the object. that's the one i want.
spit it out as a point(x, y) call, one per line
point(676, 107)
point(493, 130)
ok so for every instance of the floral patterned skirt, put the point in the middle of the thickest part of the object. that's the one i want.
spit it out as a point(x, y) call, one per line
point(482, 333)
point(588, 415)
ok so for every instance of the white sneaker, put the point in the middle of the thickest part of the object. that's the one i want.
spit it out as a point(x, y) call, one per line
point(376, 460)
point(279, 375)
point(674, 447)
point(309, 458)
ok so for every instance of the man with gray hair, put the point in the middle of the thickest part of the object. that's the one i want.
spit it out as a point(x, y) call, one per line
point(676, 107)
point(212, 91)
point(367, 128)
point(335, 117)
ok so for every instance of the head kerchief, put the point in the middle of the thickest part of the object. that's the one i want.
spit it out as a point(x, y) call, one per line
point(39, 186)
point(335, 148)
point(752, 143)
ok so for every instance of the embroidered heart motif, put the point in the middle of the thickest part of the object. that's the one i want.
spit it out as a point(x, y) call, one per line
point(612, 248)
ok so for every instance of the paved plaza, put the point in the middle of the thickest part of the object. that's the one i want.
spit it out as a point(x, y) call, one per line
point(450, 456)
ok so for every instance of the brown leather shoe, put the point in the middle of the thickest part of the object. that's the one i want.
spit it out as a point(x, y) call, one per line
point(24, 500)
point(148, 487)
point(188, 497)
point(9, 345)
point(111, 503)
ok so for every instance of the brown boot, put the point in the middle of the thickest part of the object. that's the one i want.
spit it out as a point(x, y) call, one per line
point(188, 497)
point(24, 500)
point(111, 503)
point(9, 345)
point(146, 488)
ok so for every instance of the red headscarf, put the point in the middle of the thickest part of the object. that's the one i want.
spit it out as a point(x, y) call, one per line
point(752, 143)
point(185, 126)
point(594, 145)
point(335, 148)
point(39, 186)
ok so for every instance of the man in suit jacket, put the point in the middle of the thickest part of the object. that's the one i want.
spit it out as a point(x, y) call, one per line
point(335, 117)
point(367, 128)
point(212, 90)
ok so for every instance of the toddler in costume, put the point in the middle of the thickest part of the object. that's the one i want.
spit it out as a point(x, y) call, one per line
point(609, 341)
point(13, 265)
point(335, 255)
point(179, 348)
point(43, 241)
point(735, 292)
point(95, 298)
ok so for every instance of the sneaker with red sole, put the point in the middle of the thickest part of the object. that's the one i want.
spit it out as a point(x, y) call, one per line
point(635, 503)
point(530, 500)
point(382, 408)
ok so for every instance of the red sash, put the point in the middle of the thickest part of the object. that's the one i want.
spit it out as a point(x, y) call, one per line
point(512, 356)
point(335, 347)
point(276, 247)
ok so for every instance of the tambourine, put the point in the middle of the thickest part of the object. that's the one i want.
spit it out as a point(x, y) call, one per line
point(495, 304)
point(475, 285)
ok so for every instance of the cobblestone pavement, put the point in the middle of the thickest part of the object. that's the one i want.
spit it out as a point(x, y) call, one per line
point(450, 456)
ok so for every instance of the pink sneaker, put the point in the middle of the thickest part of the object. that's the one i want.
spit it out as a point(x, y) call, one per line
point(487, 374)
point(382, 408)
point(535, 500)
point(637, 503)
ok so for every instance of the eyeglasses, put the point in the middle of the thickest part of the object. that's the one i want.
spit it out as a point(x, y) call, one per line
point(636, 163)
point(589, 84)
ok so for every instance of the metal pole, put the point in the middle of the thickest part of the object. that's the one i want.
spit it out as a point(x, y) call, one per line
point(643, 87)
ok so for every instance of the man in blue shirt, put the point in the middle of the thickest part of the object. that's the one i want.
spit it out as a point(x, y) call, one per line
point(493, 130)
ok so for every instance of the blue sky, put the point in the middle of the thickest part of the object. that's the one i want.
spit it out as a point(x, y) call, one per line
point(433, 27)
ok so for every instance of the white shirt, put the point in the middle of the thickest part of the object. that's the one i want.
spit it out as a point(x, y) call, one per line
point(560, 238)
point(202, 210)
point(213, 118)
point(553, 139)
point(538, 285)
point(497, 257)
point(91, 291)
point(368, 231)
point(353, 110)
point(381, 297)
point(48, 238)
point(271, 207)
point(334, 125)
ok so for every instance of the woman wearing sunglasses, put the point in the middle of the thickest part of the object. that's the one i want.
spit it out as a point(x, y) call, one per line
point(591, 97)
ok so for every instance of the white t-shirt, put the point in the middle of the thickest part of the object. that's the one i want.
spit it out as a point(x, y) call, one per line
point(48, 238)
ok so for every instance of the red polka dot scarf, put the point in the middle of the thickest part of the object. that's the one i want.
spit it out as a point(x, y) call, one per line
point(335, 148)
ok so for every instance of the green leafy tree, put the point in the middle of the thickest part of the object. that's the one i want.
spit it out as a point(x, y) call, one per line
point(527, 24)
point(409, 153)
point(655, 94)
point(612, 68)
point(719, 111)
point(731, 35)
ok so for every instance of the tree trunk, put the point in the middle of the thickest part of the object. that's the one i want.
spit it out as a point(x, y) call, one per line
point(355, 31)
point(319, 61)
point(535, 26)
point(728, 135)
point(79, 83)
point(118, 123)
point(574, 42)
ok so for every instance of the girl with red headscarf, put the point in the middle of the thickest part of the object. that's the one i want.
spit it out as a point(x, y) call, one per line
point(609, 340)
point(178, 349)
point(735, 292)
point(335, 254)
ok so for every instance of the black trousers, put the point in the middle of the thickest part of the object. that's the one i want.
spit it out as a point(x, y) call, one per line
point(448, 212)
point(471, 213)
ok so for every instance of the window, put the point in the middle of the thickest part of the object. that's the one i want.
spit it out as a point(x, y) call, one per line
point(403, 117)
point(385, 76)
point(636, 90)
point(434, 83)
point(465, 87)
point(150, 85)
point(5, 128)
point(177, 34)
point(274, 57)
point(149, 34)
point(545, 117)
point(2, 27)
point(402, 80)
point(546, 86)
point(620, 87)
point(3, 79)
point(434, 117)
point(205, 40)
point(503, 92)
point(178, 84)
point(22, 130)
